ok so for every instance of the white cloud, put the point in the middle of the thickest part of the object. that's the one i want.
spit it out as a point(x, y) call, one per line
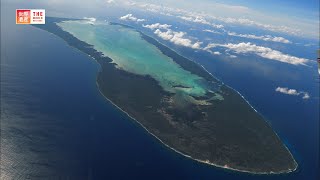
point(92, 19)
point(294, 92)
point(211, 31)
point(164, 35)
point(264, 38)
point(261, 51)
point(306, 96)
point(310, 44)
point(130, 17)
point(196, 45)
point(110, 1)
point(177, 38)
point(248, 22)
point(199, 19)
point(157, 26)
point(214, 52)
point(288, 91)
point(232, 14)
point(196, 19)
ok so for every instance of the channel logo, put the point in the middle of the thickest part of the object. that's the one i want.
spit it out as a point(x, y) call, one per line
point(30, 16)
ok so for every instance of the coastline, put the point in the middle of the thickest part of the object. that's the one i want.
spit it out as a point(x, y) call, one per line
point(185, 155)
point(223, 84)
point(188, 156)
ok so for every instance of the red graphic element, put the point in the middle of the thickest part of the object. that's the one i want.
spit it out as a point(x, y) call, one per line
point(23, 16)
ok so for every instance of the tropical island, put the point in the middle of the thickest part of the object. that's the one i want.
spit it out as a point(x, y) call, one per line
point(175, 99)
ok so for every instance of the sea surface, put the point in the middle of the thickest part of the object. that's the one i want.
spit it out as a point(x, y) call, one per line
point(56, 125)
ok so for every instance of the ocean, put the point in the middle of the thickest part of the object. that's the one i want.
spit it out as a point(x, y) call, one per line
point(56, 125)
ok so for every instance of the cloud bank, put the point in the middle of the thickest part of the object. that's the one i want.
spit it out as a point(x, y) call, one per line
point(92, 19)
point(264, 38)
point(130, 17)
point(194, 14)
point(293, 92)
point(248, 22)
point(288, 91)
point(261, 51)
point(177, 38)
point(211, 31)
point(157, 26)
point(199, 19)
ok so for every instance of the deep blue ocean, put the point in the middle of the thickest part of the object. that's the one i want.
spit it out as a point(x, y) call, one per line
point(56, 125)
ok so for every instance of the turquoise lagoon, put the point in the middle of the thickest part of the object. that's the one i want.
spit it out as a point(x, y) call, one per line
point(130, 52)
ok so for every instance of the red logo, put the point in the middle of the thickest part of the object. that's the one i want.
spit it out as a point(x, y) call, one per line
point(30, 16)
point(23, 16)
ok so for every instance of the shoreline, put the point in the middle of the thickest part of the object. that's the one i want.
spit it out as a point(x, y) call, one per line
point(223, 84)
point(188, 156)
point(185, 155)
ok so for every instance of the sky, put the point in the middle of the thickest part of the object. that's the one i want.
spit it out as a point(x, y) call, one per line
point(306, 8)
point(294, 14)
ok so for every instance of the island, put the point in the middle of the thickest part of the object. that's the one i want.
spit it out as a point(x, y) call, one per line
point(175, 99)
